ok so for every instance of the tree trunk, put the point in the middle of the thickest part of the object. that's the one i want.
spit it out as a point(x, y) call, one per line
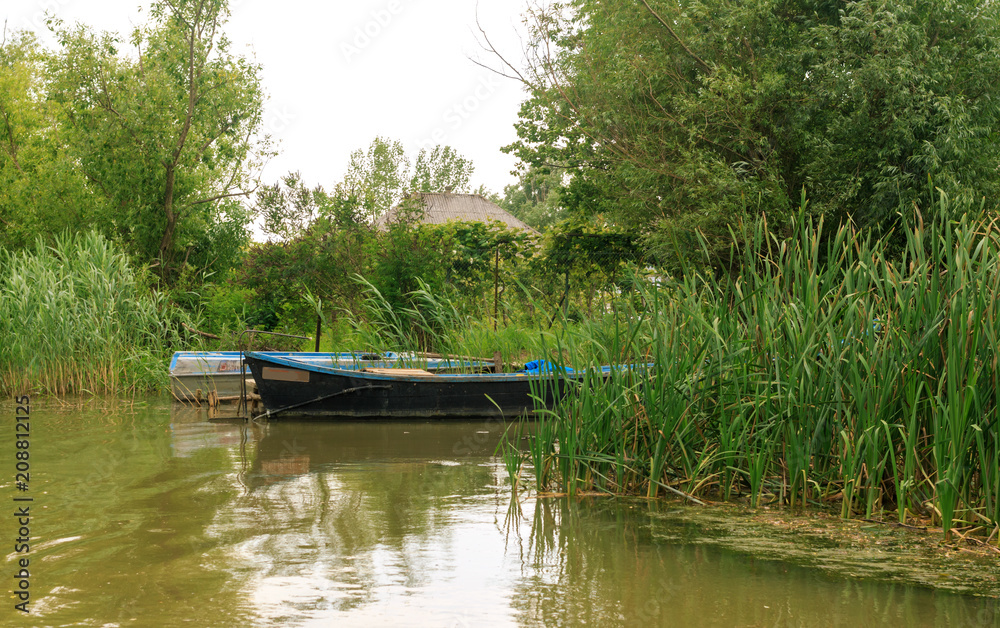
point(168, 233)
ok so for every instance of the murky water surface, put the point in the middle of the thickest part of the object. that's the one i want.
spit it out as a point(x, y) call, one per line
point(155, 516)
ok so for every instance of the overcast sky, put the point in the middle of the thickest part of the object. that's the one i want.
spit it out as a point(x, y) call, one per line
point(340, 73)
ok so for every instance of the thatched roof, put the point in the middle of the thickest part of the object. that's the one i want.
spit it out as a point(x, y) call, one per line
point(444, 206)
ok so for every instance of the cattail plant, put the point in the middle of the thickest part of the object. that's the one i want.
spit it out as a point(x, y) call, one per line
point(825, 368)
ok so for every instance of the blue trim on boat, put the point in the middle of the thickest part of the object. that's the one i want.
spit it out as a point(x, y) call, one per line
point(210, 358)
point(316, 368)
point(549, 372)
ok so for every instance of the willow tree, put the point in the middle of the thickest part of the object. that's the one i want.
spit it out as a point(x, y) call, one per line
point(684, 116)
point(168, 132)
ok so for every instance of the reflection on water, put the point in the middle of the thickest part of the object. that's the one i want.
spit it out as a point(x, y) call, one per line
point(156, 516)
point(365, 522)
point(598, 562)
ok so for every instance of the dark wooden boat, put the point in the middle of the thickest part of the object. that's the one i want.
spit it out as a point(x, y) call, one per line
point(290, 388)
point(224, 373)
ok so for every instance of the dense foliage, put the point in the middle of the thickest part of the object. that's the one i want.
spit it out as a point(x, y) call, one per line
point(675, 117)
point(151, 146)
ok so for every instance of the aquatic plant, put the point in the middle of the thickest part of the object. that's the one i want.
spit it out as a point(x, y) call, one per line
point(75, 317)
point(823, 368)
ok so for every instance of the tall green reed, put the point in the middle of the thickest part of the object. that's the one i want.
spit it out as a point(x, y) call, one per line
point(823, 367)
point(429, 322)
point(76, 317)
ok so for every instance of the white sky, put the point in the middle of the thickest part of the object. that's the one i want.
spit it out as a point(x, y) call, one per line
point(340, 73)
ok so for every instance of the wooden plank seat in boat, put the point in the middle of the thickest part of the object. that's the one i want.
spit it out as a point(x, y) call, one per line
point(392, 371)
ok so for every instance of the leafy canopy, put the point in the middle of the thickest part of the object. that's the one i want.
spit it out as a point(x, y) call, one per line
point(673, 117)
point(42, 191)
point(168, 133)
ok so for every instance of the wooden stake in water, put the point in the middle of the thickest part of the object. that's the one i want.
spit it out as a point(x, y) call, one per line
point(496, 287)
point(319, 330)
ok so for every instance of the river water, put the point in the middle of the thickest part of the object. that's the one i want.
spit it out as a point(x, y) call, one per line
point(151, 514)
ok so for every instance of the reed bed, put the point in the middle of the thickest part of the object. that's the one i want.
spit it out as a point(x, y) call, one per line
point(824, 370)
point(439, 323)
point(76, 318)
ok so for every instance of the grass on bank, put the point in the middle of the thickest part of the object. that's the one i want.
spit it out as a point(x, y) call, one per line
point(76, 318)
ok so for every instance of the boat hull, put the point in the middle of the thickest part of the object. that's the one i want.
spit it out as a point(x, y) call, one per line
point(192, 372)
point(206, 371)
point(290, 390)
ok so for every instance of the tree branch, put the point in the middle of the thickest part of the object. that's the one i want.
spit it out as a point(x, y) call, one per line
point(491, 48)
point(690, 52)
point(219, 197)
point(10, 134)
point(203, 334)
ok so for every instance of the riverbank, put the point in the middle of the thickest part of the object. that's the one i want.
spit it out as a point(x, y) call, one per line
point(823, 368)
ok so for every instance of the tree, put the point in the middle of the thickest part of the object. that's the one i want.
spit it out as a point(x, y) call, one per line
point(323, 241)
point(677, 117)
point(537, 196)
point(377, 179)
point(168, 134)
point(903, 94)
point(328, 238)
point(41, 191)
point(288, 207)
point(441, 169)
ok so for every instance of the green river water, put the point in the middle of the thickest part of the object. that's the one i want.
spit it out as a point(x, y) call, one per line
point(153, 515)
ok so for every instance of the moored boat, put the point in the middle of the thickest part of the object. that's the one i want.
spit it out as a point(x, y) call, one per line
point(291, 387)
point(222, 372)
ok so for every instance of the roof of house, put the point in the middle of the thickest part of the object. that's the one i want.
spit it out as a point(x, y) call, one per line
point(444, 206)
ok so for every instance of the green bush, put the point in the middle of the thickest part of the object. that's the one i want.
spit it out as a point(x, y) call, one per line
point(227, 308)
